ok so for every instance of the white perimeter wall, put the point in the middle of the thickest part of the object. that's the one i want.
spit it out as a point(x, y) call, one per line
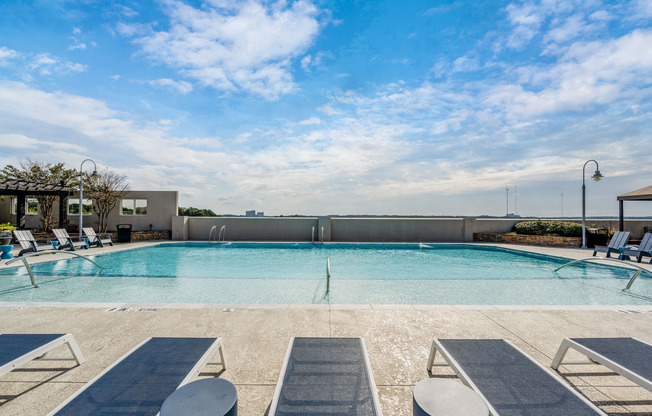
point(340, 229)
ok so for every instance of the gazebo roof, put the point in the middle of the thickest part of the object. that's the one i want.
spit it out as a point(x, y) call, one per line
point(18, 187)
point(643, 194)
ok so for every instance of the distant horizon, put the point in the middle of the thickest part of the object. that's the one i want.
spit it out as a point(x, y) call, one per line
point(325, 106)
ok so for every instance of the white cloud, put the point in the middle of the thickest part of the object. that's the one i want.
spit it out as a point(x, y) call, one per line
point(310, 121)
point(182, 87)
point(588, 74)
point(233, 46)
point(77, 45)
point(7, 54)
point(47, 64)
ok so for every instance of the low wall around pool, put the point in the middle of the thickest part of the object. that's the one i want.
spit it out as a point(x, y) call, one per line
point(358, 229)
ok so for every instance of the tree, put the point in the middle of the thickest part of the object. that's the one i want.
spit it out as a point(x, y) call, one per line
point(196, 212)
point(106, 190)
point(41, 172)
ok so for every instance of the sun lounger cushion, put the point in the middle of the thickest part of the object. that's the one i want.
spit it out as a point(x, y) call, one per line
point(511, 382)
point(139, 384)
point(326, 376)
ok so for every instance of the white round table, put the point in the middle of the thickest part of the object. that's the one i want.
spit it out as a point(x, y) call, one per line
point(442, 397)
point(206, 397)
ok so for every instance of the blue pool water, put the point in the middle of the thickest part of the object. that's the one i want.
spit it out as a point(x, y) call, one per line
point(296, 273)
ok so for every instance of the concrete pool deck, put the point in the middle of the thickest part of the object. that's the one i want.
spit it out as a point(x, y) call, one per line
point(398, 339)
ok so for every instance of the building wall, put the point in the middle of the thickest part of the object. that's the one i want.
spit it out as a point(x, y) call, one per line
point(162, 206)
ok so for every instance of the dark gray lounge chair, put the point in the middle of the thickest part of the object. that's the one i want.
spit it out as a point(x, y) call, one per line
point(510, 381)
point(618, 240)
point(19, 349)
point(628, 357)
point(326, 376)
point(644, 249)
point(29, 243)
point(138, 383)
point(96, 240)
point(65, 241)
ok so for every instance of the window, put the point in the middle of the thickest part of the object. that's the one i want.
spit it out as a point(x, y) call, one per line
point(73, 206)
point(31, 206)
point(134, 207)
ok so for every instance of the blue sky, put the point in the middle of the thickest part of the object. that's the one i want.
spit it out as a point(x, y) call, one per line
point(338, 107)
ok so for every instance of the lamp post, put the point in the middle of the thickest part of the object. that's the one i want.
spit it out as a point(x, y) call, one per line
point(596, 176)
point(81, 191)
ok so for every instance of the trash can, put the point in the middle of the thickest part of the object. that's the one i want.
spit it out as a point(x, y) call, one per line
point(124, 233)
point(596, 237)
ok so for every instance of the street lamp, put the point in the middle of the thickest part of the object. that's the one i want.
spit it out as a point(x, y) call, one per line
point(596, 176)
point(81, 191)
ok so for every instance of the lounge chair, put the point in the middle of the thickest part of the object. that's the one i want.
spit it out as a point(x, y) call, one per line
point(65, 241)
point(19, 349)
point(509, 381)
point(618, 240)
point(95, 240)
point(326, 376)
point(29, 243)
point(139, 382)
point(644, 249)
point(628, 357)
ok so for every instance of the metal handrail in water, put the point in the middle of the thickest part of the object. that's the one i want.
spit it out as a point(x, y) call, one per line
point(639, 269)
point(29, 269)
point(328, 274)
point(222, 236)
point(210, 233)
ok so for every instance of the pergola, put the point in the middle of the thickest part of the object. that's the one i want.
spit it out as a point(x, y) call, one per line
point(22, 189)
point(643, 194)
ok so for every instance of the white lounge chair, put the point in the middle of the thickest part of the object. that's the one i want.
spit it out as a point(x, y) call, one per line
point(29, 243)
point(65, 241)
point(140, 381)
point(326, 376)
point(509, 381)
point(96, 240)
point(628, 357)
point(19, 349)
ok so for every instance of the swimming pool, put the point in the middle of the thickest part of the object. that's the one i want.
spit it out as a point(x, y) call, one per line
point(248, 273)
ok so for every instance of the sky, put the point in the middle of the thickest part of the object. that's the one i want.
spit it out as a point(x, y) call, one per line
point(331, 107)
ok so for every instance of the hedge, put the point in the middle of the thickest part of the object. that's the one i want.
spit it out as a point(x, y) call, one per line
point(539, 227)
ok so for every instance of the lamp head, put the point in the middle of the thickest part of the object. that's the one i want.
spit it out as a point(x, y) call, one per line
point(94, 174)
point(597, 175)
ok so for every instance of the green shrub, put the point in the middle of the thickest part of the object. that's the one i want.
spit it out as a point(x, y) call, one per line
point(539, 227)
point(7, 227)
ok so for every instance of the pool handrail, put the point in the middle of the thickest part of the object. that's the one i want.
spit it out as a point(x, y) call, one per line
point(620, 262)
point(210, 233)
point(29, 269)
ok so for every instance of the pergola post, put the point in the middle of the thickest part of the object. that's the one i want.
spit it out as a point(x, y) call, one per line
point(20, 211)
point(63, 210)
point(621, 216)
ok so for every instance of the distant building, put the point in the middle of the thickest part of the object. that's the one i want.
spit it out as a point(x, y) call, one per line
point(253, 213)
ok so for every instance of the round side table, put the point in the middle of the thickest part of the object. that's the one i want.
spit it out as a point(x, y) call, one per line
point(5, 252)
point(441, 397)
point(209, 396)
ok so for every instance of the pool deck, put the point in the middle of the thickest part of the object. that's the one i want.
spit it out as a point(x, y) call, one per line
point(398, 339)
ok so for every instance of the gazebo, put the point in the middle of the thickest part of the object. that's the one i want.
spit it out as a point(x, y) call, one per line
point(643, 194)
point(22, 189)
